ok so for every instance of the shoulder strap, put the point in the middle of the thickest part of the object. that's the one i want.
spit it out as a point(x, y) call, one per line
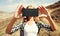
point(22, 30)
point(38, 25)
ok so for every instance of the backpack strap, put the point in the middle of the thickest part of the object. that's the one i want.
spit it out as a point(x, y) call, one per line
point(39, 25)
point(22, 30)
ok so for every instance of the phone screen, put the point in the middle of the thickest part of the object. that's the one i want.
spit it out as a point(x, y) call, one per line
point(29, 12)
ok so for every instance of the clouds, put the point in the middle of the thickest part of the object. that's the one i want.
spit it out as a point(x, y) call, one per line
point(10, 5)
point(8, 8)
point(10, 1)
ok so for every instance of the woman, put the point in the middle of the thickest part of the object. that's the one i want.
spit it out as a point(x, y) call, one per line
point(31, 25)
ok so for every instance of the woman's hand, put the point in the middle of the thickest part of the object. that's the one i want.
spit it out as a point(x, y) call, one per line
point(42, 16)
point(14, 19)
point(44, 11)
point(18, 12)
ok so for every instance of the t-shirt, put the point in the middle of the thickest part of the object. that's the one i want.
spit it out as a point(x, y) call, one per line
point(30, 30)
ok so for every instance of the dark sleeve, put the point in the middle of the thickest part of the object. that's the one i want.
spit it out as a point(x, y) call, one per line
point(46, 26)
point(15, 28)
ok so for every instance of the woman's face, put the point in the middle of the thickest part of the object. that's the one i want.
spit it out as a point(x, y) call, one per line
point(36, 19)
point(30, 7)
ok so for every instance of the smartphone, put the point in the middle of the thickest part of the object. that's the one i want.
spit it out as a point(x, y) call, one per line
point(29, 12)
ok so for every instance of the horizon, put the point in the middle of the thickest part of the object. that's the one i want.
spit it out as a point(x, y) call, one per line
point(11, 5)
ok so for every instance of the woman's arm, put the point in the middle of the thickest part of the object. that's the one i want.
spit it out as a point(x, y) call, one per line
point(52, 25)
point(10, 25)
point(14, 19)
point(15, 28)
point(44, 11)
point(43, 25)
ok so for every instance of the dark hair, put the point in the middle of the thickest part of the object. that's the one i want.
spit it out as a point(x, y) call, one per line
point(26, 19)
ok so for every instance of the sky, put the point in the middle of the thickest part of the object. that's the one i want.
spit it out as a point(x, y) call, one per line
point(11, 5)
